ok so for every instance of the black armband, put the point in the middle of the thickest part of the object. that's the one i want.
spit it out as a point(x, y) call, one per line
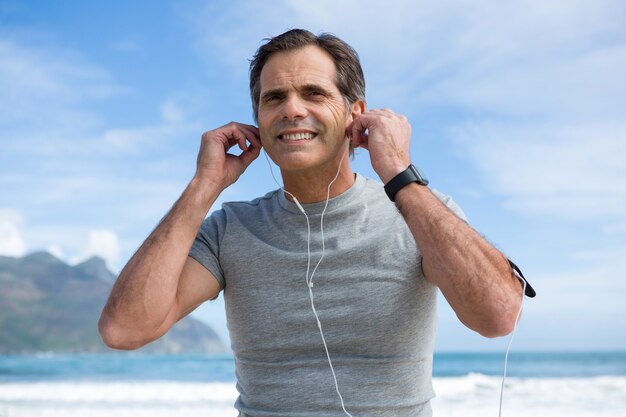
point(530, 292)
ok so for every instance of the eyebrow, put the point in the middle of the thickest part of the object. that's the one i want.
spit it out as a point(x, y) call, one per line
point(314, 87)
point(306, 88)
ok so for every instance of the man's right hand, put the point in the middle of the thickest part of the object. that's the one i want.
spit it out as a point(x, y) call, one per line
point(218, 166)
point(160, 284)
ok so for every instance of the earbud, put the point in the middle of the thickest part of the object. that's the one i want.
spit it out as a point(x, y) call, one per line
point(295, 200)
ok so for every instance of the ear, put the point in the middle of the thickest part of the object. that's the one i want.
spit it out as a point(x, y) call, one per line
point(356, 109)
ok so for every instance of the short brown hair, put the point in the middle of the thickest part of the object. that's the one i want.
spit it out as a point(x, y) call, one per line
point(349, 74)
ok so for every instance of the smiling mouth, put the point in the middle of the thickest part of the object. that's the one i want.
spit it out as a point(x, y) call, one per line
point(297, 136)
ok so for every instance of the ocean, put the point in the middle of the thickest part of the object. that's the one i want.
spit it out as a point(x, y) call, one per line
point(550, 384)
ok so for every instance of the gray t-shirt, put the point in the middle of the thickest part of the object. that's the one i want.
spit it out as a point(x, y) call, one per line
point(377, 310)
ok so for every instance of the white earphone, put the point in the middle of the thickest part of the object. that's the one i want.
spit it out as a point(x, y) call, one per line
point(309, 283)
point(309, 279)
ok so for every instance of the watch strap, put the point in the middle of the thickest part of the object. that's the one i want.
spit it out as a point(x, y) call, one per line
point(409, 175)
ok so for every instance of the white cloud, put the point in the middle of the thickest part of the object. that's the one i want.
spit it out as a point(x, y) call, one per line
point(57, 251)
point(46, 88)
point(233, 36)
point(12, 242)
point(45, 107)
point(580, 298)
point(171, 112)
point(615, 229)
point(573, 171)
point(133, 140)
point(584, 291)
point(57, 159)
point(103, 243)
point(600, 257)
point(128, 45)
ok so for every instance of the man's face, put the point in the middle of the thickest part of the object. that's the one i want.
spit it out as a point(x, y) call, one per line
point(302, 115)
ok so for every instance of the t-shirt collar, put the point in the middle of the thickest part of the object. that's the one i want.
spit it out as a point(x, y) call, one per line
point(334, 203)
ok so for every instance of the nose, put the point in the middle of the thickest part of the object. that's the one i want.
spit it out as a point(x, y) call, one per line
point(294, 108)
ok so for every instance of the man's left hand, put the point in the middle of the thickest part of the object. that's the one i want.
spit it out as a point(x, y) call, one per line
point(386, 135)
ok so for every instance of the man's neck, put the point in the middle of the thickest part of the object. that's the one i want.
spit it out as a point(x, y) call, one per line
point(312, 187)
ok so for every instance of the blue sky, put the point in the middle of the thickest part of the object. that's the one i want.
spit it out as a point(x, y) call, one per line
point(518, 112)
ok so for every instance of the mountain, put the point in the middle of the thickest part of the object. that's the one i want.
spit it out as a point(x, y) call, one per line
point(48, 305)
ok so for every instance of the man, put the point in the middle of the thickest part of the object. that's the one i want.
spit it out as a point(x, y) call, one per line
point(374, 290)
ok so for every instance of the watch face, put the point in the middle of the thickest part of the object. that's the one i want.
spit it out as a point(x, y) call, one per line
point(418, 175)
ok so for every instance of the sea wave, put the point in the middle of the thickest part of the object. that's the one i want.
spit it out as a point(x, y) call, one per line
point(479, 395)
point(120, 399)
point(467, 396)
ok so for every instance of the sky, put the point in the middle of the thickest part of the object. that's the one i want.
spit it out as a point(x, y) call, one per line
point(517, 108)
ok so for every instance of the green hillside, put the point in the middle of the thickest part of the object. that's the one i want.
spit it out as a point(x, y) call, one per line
point(48, 305)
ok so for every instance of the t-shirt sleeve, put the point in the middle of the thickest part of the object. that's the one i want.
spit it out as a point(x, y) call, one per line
point(451, 204)
point(206, 247)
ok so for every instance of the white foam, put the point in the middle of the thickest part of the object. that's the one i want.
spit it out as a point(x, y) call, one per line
point(478, 395)
point(468, 396)
point(120, 399)
point(117, 391)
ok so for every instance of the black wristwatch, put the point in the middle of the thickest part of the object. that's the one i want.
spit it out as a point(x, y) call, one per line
point(409, 175)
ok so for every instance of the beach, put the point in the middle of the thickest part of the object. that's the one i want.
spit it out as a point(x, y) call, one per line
point(182, 387)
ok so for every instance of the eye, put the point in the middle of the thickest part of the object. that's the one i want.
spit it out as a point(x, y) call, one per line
point(272, 97)
point(315, 94)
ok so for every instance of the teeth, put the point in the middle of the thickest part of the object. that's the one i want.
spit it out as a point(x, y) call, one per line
point(298, 136)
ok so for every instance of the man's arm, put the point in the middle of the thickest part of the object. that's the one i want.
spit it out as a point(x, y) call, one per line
point(475, 278)
point(160, 284)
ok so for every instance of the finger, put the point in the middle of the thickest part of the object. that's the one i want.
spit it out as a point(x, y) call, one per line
point(242, 143)
point(252, 134)
point(236, 137)
point(233, 133)
point(251, 128)
point(350, 133)
point(249, 155)
point(385, 112)
point(358, 130)
point(356, 133)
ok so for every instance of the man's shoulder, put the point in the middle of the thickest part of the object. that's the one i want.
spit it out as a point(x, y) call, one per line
point(257, 203)
point(374, 191)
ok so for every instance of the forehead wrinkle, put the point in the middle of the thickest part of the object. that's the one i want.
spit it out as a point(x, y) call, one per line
point(290, 69)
